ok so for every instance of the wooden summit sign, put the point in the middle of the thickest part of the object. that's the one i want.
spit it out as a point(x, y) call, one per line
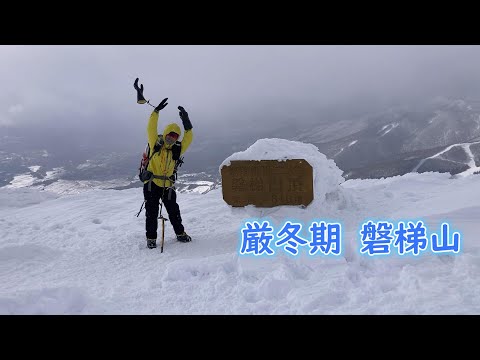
point(267, 183)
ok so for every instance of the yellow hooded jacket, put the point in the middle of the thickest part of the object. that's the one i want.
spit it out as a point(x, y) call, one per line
point(162, 163)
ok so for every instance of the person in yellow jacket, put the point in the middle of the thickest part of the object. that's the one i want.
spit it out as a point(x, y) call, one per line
point(161, 165)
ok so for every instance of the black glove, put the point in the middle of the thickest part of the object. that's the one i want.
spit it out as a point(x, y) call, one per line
point(187, 125)
point(161, 105)
point(140, 98)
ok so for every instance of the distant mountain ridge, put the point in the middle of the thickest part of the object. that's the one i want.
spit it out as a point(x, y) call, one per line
point(402, 140)
point(442, 135)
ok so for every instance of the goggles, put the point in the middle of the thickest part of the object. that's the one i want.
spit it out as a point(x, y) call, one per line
point(170, 138)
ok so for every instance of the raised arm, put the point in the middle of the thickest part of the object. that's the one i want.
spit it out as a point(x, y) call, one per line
point(152, 127)
point(187, 125)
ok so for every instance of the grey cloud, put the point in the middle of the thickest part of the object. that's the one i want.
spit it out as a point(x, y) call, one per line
point(223, 86)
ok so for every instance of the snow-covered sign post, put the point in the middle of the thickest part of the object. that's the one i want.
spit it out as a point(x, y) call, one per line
point(267, 183)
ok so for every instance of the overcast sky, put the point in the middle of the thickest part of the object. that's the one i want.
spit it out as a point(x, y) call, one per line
point(91, 87)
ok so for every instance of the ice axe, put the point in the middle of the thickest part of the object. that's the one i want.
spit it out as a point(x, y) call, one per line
point(163, 226)
point(163, 231)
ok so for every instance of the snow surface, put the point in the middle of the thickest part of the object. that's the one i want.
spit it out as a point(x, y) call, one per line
point(471, 159)
point(85, 253)
point(34, 168)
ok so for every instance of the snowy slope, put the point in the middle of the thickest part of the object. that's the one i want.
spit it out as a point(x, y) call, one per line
point(85, 253)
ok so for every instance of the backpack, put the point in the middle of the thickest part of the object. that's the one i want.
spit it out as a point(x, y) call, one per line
point(146, 175)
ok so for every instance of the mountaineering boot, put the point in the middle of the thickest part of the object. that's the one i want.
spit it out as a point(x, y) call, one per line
point(151, 243)
point(183, 237)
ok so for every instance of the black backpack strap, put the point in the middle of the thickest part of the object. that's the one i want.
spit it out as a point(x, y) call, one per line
point(176, 150)
point(154, 152)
